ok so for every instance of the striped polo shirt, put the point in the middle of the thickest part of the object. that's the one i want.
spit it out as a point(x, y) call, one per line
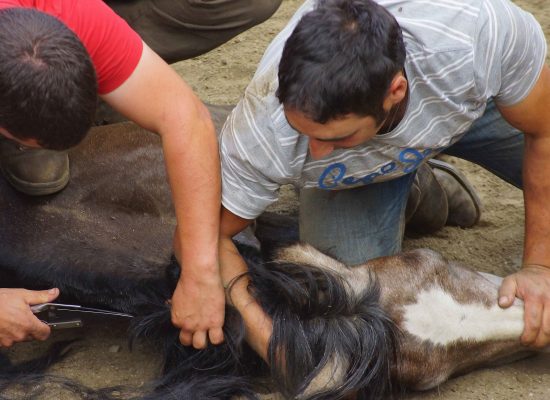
point(460, 53)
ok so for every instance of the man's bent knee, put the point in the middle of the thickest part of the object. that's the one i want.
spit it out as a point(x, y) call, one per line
point(246, 12)
point(178, 30)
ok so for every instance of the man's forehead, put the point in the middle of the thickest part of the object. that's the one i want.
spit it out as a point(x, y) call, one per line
point(332, 131)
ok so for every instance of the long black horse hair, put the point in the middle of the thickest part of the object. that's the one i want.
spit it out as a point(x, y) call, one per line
point(319, 330)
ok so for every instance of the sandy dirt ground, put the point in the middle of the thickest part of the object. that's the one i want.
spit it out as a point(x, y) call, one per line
point(495, 245)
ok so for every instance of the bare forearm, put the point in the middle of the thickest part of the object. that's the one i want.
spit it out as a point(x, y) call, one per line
point(537, 207)
point(258, 324)
point(194, 174)
point(156, 98)
point(532, 282)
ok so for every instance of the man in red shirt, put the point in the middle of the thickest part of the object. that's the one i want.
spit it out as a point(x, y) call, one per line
point(56, 56)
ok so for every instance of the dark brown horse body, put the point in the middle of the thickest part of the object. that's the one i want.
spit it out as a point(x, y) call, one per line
point(115, 217)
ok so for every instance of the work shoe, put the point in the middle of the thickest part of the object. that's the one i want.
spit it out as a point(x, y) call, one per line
point(427, 208)
point(464, 203)
point(35, 172)
point(414, 199)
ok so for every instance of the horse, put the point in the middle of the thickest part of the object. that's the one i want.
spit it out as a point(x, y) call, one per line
point(370, 331)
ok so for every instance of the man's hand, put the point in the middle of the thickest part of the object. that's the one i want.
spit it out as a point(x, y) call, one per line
point(17, 322)
point(198, 308)
point(532, 285)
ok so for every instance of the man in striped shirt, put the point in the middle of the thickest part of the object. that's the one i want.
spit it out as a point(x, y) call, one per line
point(353, 96)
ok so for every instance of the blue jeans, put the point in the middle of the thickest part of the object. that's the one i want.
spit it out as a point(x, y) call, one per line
point(358, 224)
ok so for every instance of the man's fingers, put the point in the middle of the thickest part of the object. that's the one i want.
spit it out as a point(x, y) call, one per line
point(30, 328)
point(543, 337)
point(186, 338)
point(215, 335)
point(40, 296)
point(199, 340)
point(507, 292)
point(52, 293)
point(533, 320)
point(40, 331)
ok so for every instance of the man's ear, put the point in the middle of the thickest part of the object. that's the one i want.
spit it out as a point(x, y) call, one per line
point(5, 133)
point(397, 91)
point(26, 142)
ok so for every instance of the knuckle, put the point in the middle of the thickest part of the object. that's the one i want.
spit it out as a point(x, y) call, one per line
point(43, 334)
point(526, 341)
point(216, 339)
point(528, 337)
point(178, 321)
point(185, 339)
point(534, 320)
point(190, 325)
point(186, 327)
point(175, 320)
point(29, 325)
point(535, 324)
point(537, 296)
point(20, 336)
point(540, 342)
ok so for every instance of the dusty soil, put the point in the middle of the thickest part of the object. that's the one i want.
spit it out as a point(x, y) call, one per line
point(495, 245)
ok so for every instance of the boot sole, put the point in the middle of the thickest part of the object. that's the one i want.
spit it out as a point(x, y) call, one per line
point(461, 179)
point(36, 189)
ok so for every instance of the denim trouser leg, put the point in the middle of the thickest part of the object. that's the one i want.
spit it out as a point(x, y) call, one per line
point(358, 224)
point(493, 144)
point(355, 225)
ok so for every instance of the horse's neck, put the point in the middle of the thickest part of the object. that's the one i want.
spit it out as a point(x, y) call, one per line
point(449, 317)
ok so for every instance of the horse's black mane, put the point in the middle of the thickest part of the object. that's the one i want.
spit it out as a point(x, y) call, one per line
point(317, 325)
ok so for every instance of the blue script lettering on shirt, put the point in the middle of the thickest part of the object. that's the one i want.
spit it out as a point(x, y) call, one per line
point(335, 174)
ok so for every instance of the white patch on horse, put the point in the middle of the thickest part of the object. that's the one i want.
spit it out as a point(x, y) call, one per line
point(440, 319)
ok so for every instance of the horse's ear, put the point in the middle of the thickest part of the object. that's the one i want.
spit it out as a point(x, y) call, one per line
point(275, 231)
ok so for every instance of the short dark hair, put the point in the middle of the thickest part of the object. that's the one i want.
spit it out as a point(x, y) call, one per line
point(341, 59)
point(48, 86)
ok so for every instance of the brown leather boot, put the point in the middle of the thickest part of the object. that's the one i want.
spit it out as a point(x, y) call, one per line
point(464, 203)
point(35, 172)
point(427, 208)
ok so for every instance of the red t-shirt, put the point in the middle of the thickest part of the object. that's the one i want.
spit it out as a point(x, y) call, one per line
point(115, 49)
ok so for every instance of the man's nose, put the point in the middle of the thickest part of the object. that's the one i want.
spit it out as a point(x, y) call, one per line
point(319, 149)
